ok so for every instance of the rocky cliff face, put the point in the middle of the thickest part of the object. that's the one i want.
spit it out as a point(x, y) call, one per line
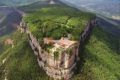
point(63, 67)
point(60, 68)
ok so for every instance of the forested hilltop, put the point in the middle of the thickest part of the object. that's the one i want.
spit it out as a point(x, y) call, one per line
point(57, 21)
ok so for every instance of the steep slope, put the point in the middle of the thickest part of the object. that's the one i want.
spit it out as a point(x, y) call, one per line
point(19, 63)
point(101, 57)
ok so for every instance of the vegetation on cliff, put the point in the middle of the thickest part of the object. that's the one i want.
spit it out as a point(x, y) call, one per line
point(57, 22)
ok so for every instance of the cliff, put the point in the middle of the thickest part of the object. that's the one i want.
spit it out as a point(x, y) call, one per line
point(58, 54)
point(64, 65)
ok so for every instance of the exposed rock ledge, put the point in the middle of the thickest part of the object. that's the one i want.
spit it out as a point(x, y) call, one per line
point(63, 68)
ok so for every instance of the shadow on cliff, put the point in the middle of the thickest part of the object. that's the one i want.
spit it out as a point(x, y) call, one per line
point(111, 40)
point(81, 60)
point(10, 23)
point(113, 43)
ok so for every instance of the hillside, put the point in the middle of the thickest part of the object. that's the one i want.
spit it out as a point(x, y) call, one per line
point(101, 62)
point(9, 22)
point(19, 62)
point(101, 57)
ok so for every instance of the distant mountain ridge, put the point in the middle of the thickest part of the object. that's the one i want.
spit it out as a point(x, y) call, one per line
point(17, 2)
point(109, 8)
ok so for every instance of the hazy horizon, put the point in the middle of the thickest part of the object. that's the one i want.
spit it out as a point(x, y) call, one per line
point(105, 7)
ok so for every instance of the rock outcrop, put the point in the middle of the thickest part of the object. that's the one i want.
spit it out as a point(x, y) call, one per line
point(9, 42)
point(63, 67)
